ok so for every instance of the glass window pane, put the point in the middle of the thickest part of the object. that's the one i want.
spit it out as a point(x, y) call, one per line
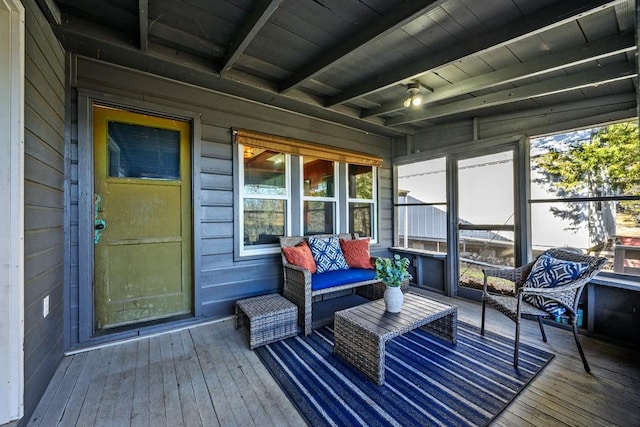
point(360, 182)
point(360, 215)
point(561, 224)
point(319, 178)
point(264, 221)
point(423, 227)
point(143, 152)
point(319, 217)
point(587, 163)
point(264, 172)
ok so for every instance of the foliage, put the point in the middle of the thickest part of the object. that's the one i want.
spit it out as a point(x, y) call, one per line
point(392, 271)
point(605, 165)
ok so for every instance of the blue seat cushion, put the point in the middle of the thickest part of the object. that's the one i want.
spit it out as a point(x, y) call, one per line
point(340, 277)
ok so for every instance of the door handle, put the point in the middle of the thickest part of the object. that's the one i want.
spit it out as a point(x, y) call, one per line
point(99, 224)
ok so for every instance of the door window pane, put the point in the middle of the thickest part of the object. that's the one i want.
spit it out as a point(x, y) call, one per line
point(485, 217)
point(486, 189)
point(264, 221)
point(318, 217)
point(143, 152)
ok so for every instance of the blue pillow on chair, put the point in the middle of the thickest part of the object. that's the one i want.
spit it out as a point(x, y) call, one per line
point(327, 254)
point(549, 272)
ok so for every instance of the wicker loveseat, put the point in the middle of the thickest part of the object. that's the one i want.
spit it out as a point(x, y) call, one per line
point(304, 288)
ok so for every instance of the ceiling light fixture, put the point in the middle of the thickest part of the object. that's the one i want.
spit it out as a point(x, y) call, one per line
point(415, 98)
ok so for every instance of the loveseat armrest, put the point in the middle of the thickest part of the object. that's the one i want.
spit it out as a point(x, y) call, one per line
point(297, 289)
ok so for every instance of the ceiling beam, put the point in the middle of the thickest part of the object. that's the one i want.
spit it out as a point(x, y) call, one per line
point(543, 19)
point(398, 17)
point(570, 57)
point(250, 28)
point(51, 11)
point(606, 74)
point(143, 15)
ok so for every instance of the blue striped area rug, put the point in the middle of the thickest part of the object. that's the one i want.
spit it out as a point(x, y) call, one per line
point(428, 381)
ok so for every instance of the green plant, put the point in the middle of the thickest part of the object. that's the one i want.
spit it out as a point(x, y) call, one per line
point(392, 271)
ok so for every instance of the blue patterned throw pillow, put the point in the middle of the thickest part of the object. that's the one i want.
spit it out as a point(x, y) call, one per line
point(549, 272)
point(327, 254)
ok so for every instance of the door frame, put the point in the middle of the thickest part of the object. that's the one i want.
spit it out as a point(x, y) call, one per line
point(12, 50)
point(521, 173)
point(86, 100)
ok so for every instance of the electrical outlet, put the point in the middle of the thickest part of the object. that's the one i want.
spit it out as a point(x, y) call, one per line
point(45, 306)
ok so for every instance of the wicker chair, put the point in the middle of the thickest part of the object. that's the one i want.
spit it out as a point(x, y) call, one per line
point(567, 295)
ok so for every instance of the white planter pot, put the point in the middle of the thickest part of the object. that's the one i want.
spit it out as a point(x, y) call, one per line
point(393, 298)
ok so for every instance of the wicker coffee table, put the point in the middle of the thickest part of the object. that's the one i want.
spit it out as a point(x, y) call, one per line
point(361, 333)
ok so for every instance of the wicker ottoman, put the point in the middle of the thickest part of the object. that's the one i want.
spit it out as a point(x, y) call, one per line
point(269, 318)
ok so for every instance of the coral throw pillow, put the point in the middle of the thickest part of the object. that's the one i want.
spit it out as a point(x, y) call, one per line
point(356, 252)
point(301, 256)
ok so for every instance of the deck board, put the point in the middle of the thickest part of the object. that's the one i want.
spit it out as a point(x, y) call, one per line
point(207, 376)
point(156, 387)
point(97, 378)
point(141, 387)
point(202, 400)
point(124, 397)
point(204, 346)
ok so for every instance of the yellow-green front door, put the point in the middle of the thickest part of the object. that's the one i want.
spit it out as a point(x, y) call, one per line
point(142, 203)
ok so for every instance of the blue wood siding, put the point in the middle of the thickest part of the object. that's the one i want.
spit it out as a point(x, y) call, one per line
point(44, 216)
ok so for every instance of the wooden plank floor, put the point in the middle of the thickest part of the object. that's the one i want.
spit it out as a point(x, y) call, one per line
point(207, 376)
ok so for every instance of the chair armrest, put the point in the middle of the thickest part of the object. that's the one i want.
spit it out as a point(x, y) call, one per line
point(505, 273)
point(516, 275)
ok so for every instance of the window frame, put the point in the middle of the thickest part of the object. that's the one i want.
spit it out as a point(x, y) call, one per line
point(402, 209)
point(608, 277)
point(265, 249)
point(373, 201)
point(335, 199)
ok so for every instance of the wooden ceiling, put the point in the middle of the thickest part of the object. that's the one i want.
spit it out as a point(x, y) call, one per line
point(350, 61)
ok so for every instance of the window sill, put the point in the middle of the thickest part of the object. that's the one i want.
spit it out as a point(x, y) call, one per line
point(617, 281)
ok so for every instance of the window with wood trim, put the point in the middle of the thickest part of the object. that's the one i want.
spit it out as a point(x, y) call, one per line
point(284, 189)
